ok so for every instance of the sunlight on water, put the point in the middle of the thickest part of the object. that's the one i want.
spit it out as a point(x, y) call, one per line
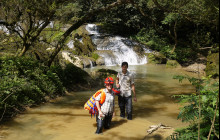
point(65, 118)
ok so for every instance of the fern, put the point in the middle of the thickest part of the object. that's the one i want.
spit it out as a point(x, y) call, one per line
point(189, 112)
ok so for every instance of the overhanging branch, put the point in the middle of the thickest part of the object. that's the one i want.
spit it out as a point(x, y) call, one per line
point(81, 21)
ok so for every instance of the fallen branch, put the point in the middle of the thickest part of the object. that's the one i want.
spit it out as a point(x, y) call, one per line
point(7, 97)
point(155, 127)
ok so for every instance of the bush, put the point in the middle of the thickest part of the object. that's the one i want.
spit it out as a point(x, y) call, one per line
point(207, 102)
point(24, 82)
point(71, 75)
point(163, 45)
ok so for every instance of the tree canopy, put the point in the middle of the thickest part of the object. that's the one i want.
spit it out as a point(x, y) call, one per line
point(172, 25)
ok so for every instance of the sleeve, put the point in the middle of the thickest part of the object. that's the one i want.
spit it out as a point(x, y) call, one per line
point(98, 98)
point(118, 75)
point(132, 78)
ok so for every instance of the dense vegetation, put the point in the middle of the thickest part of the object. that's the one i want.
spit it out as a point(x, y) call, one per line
point(181, 29)
point(32, 33)
point(200, 109)
point(26, 82)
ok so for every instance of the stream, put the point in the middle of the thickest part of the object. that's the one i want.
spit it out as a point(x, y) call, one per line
point(65, 119)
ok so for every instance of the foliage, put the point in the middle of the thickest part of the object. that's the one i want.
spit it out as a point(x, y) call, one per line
point(71, 75)
point(180, 29)
point(209, 97)
point(95, 56)
point(24, 81)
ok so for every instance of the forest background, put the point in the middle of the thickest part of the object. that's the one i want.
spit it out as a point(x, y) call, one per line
point(182, 30)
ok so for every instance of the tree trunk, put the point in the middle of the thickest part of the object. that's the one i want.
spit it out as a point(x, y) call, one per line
point(24, 50)
point(80, 22)
point(175, 37)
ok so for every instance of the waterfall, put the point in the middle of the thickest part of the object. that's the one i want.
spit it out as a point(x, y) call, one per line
point(92, 29)
point(91, 64)
point(115, 49)
point(4, 29)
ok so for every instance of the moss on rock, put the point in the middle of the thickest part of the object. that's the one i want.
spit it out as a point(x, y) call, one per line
point(100, 75)
point(86, 47)
point(212, 67)
point(173, 64)
point(88, 44)
point(156, 58)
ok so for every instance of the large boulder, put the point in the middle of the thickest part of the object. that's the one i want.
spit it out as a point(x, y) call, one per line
point(173, 64)
point(79, 61)
point(212, 67)
point(88, 62)
point(100, 61)
point(70, 58)
point(139, 50)
point(156, 58)
point(196, 68)
point(100, 75)
point(75, 78)
point(88, 44)
point(104, 56)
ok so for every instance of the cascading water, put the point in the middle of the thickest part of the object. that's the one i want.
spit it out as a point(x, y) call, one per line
point(114, 50)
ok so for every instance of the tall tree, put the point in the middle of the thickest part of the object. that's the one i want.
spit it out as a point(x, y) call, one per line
point(27, 19)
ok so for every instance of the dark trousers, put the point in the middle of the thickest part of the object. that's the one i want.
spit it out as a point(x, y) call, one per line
point(103, 123)
point(125, 103)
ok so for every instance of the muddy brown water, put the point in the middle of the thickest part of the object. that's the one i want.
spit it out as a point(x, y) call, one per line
point(65, 119)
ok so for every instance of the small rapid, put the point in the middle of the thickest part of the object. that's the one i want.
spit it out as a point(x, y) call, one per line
point(116, 49)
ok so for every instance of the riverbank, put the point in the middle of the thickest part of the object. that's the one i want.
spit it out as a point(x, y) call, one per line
point(65, 118)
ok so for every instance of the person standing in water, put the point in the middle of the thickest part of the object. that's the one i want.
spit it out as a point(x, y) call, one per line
point(105, 110)
point(125, 81)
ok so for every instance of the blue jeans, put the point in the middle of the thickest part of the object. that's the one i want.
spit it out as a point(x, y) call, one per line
point(125, 103)
point(106, 122)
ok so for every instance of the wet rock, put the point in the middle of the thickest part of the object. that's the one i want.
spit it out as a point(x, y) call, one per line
point(88, 44)
point(84, 46)
point(173, 64)
point(138, 49)
point(70, 58)
point(100, 75)
point(100, 61)
point(105, 56)
point(156, 58)
point(196, 68)
point(88, 62)
point(79, 61)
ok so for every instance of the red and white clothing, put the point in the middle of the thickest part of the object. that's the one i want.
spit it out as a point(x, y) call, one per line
point(108, 105)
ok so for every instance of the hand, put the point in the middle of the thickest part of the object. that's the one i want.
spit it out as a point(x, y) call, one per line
point(117, 85)
point(113, 115)
point(135, 99)
point(101, 114)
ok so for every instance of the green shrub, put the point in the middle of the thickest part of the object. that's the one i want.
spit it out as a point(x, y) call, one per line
point(71, 75)
point(95, 56)
point(24, 82)
point(207, 102)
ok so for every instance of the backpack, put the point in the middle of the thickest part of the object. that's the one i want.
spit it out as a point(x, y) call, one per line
point(91, 104)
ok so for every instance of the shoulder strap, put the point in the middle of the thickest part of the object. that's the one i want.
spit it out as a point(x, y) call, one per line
point(103, 96)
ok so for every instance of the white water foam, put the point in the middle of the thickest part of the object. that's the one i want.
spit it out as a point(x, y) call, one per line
point(120, 51)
